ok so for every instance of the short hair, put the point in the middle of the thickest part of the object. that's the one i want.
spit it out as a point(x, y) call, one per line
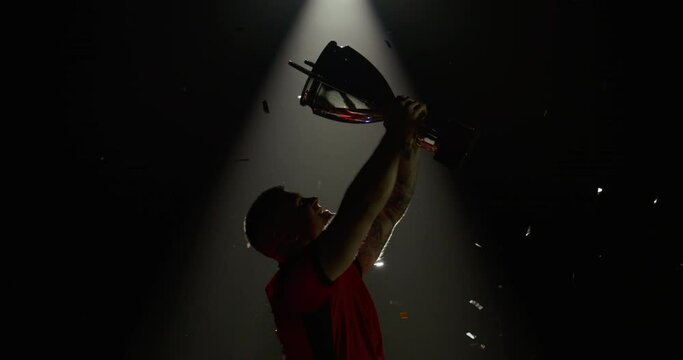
point(263, 216)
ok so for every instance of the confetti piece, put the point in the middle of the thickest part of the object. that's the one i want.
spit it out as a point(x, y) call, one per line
point(404, 315)
point(470, 335)
point(265, 107)
point(476, 304)
point(528, 231)
point(388, 43)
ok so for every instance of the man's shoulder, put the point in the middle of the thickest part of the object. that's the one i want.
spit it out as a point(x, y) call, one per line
point(273, 285)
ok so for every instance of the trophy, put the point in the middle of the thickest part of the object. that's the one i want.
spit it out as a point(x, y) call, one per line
point(344, 86)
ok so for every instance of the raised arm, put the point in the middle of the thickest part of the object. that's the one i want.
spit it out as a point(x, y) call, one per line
point(368, 194)
point(363, 201)
point(380, 232)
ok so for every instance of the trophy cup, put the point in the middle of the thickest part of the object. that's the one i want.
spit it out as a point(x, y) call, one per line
point(344, 86)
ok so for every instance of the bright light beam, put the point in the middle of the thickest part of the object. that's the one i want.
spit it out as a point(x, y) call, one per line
point(289, 145)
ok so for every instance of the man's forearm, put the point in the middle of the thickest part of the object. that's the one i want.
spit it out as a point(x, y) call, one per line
point(395, 208)
point(404, 188)
point(374, 183)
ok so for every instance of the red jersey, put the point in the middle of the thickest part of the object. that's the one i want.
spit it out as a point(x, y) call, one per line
point(321, 319)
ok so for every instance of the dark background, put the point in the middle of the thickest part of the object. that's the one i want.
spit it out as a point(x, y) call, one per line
point(569, 95)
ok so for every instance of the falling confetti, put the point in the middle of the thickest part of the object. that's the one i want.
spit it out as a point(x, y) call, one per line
point(265, 107)
point(404, 315)
point(655, 202)
point(528, 231)
point(599, 190)
point(379, 264)
point(477, 245)
point(482, 346)
point(470, 335)
point(388, 43)
point(476, 304)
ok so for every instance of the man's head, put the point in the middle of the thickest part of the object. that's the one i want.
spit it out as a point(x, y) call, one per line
point(280, 224)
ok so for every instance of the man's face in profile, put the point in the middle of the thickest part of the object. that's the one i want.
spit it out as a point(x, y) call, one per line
point(304, 217)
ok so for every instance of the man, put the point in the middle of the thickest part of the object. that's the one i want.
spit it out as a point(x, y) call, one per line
point(321, 306)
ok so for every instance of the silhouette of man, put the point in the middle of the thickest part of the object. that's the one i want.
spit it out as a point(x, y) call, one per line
point(321, 306)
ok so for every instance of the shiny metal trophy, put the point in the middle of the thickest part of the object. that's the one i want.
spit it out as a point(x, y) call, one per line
point(343, 85)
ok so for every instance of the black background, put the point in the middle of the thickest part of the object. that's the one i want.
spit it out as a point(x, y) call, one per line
point(601, 275)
